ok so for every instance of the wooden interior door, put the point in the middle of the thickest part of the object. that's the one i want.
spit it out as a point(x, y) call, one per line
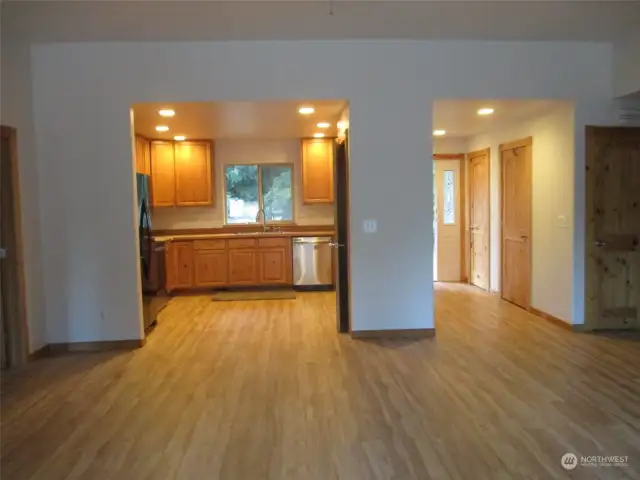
point(193, 173)
point(448, 227)
point(479, 224)
point(613, 228)
point(13, 316)
point(515, 162)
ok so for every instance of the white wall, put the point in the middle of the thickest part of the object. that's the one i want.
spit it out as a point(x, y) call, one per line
point(449, 145)
point(627, 65)
point(552, 197)
point(82, 93)
point(245, 151)
point(16, 111)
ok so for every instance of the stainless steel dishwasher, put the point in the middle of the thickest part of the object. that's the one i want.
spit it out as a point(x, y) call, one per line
point(312, 263)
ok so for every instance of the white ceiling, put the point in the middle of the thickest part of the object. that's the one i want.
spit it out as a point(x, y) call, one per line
point(218, 120)
point(91, 20)
point(460, 118)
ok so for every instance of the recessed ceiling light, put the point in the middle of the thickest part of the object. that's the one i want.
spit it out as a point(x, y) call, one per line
point(318, 135)
point(485, 111)
point(162, 128)
point(166, 112)
point(306, 110)
point(439, 133)
point(324, 125)
point(179, 138)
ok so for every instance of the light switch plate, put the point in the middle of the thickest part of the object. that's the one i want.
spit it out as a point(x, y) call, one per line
point(562, 221)
point(370, 226)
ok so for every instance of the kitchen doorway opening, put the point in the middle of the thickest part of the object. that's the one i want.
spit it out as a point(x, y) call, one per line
point(242, 201)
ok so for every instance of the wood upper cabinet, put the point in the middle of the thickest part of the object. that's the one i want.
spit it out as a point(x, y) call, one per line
point(210, 268)
point(183, 252)
point(143, 155)
point(274, 266)
point(163, 180)
point(181, 174)
point(243, 267)
point(193, 181)
point(317, 170)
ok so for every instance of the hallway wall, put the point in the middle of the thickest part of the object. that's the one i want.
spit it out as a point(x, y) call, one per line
point(552, 205)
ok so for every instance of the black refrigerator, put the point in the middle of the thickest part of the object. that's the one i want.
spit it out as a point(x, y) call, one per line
point(151, 257)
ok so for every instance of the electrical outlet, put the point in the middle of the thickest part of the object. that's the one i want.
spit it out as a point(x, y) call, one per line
point(370, 226)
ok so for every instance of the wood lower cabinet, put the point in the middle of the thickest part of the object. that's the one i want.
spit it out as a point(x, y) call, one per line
point(236, 262)
point(274, 266)
point(243, 267)
point(184, 254)
point(210, 268)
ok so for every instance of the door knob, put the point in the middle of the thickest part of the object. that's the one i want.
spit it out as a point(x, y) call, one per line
point(599, 243)
point(335, 245)
point(523, 237)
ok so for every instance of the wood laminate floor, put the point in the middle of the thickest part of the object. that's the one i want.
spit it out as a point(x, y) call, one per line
point(268, 390)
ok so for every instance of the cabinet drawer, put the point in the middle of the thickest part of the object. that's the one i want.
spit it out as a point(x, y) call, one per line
point(242, 243)
point(274, 242)
point(209, 244)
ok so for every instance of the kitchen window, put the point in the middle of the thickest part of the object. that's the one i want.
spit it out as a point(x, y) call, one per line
point(250, 189)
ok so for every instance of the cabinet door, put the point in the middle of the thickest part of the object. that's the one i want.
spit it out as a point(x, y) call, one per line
point(274, 266)
point(193, 173)
point(242, 267)
point(183, 276)
point(210, 268)
point(163, 187)
point(170, 266)
point(139, 154)
point(145, 147)
point(317, 170)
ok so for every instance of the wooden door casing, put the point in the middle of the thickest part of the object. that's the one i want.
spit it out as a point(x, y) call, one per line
point(210, 268)
point(163, 186)
point(243, 268)
point(13, 313)
point(612, 268)
point(516, 206)
point(193, 173)
point(479, 219)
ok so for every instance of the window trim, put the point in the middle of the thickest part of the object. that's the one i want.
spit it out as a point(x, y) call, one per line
point(291, 165)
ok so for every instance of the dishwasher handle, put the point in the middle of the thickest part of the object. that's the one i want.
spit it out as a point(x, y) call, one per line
point(313, 241)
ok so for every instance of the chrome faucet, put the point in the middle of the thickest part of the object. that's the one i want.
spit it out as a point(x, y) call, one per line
point(264, 219)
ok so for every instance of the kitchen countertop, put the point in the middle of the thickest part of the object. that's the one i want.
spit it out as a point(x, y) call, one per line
point(221, 236)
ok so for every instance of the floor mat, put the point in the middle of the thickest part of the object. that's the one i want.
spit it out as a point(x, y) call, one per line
point(242, 296)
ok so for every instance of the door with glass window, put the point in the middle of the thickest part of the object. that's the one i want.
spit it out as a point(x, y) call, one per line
point(448, 232)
